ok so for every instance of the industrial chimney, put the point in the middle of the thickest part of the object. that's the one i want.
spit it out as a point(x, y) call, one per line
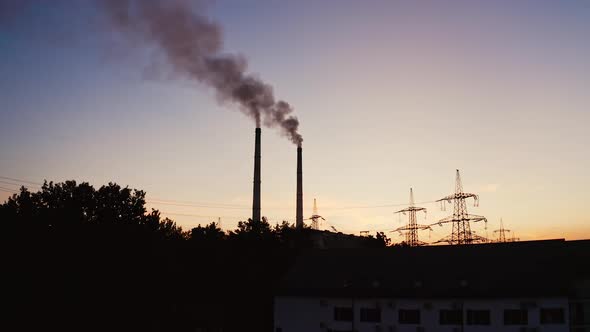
point(256, 191)
point(299, 212)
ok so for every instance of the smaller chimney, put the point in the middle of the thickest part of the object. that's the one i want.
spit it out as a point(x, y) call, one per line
point(299, 212)
point(256, 191)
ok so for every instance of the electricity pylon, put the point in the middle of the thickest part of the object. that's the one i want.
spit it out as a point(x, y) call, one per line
point(460, 220)
point(502, 232)
point(411, 229)
point(315, 218)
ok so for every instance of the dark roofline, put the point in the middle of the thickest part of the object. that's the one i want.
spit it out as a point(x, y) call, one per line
point(515, 243)
point(548, 268)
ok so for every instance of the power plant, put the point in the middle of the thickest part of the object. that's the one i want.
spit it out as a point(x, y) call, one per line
point(256, 199)
point(460, 220)
point(226, 74)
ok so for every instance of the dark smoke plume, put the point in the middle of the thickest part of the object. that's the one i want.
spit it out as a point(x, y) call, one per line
point(192, 45)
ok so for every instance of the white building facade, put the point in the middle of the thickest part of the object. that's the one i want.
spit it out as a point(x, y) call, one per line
point(298, 314)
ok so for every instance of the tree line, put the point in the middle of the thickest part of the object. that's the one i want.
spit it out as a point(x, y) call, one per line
point(80, 258)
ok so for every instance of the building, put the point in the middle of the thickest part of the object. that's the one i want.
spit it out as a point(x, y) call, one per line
point(519, 286)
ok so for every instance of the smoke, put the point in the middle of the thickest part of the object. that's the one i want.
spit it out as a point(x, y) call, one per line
point(192, 45)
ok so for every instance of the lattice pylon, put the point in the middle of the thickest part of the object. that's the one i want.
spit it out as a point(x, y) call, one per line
point(502, 232)
point(461, 220)
point(315, 218)
point(411, 229)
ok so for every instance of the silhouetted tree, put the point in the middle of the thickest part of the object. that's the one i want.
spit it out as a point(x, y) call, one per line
point(81, 255)
point(383, 239)
point(254, 228)
point(208, 235)
point(96, 259)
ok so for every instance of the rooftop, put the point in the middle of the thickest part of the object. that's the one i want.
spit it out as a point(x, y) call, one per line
point(528, 268)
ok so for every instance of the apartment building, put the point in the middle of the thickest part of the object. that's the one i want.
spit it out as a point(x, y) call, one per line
point(521, 286)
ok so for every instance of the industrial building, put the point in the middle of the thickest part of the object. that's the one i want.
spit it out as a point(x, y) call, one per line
point(515, 286)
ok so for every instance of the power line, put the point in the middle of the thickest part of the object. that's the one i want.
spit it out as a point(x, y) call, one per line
point(241, 218)
point(20, 180)
point(158, 201)
point(236, 206)
point(216, 206)
point(14, 184)
point(373, 206)
point(173, 202)
point(14, 191)
point(198, 215)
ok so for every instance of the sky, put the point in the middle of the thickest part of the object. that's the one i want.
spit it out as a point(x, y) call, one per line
point(390, 95)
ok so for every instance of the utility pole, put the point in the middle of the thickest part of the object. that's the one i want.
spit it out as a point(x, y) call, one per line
point(460, 220)
point(502, 232)
point(315, 218)
point(411, 229)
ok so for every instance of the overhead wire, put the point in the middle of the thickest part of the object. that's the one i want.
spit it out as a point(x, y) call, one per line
point(372, 206)
point(215, 206)
point(209, 205)
point(197, 215)
point(229, 206)
point(14, 191)
point(177, 202)
point(20, 180)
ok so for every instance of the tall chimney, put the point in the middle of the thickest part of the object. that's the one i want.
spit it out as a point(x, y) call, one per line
point(256, 192)
point(299, 212)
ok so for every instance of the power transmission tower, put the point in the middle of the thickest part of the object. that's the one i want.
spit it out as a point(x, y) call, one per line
point(315, 218)
point(460, 220)
point(502, 232)
point(411, 229)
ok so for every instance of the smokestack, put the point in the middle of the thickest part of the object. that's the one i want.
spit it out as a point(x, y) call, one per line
point(256, 191)
point(299, 213)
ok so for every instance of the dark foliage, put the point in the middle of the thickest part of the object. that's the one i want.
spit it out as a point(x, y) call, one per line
point(84, 259)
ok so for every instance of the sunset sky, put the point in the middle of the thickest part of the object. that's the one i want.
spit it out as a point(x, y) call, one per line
point(390, 95)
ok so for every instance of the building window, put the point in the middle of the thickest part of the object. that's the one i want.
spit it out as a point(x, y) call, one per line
point(552, 316)
point(451, 317)
point(370, 315)
point(516, 317)
point(478, 317)
point(343, 314)
point(580, 313)
point(409, 316)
